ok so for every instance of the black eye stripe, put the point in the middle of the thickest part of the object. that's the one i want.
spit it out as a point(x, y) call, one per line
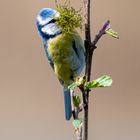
point(52, 21)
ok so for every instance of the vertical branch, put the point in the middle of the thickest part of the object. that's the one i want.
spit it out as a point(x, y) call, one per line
point(87, 47)
point(87, 20)
point(89, 53)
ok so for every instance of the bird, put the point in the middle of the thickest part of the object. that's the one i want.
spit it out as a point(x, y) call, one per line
point(65, 52)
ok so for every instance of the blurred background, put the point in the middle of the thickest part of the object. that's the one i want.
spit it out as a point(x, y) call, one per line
point(31, 99)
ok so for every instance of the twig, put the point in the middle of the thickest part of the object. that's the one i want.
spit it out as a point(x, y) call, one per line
point(75, 113)
point(79, 134)
point(72, 105)
point(100, 33)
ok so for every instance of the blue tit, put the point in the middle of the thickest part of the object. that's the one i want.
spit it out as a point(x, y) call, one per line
point(65, 52)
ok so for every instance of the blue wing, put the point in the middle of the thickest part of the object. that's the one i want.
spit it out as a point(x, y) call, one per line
point(78, 58)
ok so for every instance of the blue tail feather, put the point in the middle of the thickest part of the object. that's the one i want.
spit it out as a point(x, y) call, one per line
point(67, 103)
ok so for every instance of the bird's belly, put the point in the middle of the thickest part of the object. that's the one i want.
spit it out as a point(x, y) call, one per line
point(62, 56)
point(62, 69)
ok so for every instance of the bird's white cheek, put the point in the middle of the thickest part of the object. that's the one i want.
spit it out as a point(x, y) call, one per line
point(51, 29)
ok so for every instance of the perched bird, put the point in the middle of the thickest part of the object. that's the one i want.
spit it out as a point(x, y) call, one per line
point(65, 52)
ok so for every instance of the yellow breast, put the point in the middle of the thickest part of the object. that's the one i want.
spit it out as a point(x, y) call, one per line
point(60, 50)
